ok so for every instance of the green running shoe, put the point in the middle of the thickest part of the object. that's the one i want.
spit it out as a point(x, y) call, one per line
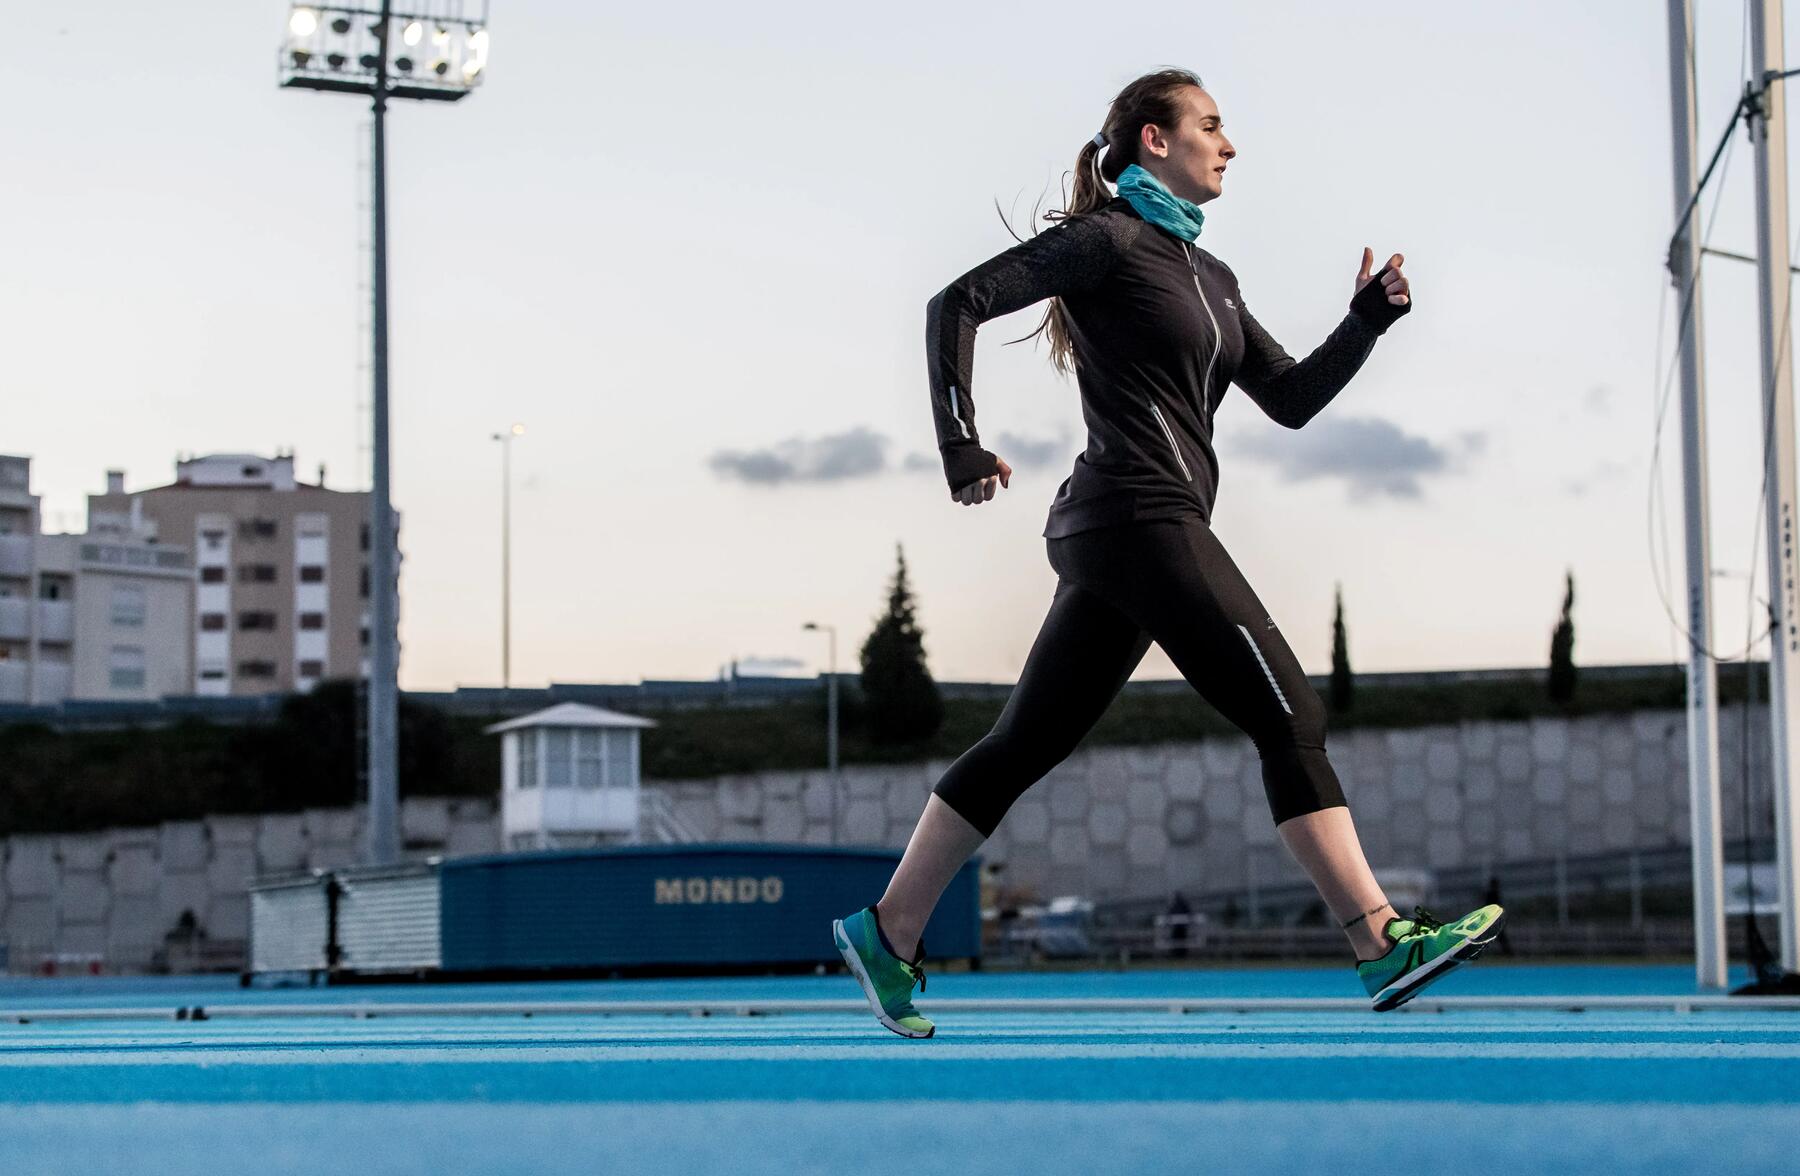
point(1424, 950)
point(886, 979)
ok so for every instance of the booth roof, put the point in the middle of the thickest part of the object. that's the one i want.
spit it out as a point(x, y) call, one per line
point(571, 714)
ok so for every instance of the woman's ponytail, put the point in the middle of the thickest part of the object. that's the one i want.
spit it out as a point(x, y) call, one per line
point(1153, 98)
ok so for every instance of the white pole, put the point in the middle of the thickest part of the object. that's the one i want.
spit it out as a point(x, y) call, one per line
point(1768, 128)
point(1705, 832)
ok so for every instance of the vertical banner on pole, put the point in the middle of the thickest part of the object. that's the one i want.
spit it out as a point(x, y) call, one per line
point(1768, 130)
point(1702, 683)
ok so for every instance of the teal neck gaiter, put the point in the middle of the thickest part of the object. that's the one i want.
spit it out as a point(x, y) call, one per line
point(1161, 207)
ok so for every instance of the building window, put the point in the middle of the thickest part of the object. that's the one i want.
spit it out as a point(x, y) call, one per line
point(212, 575)
point(362, 583)
point(213, 540)
point(312, 574)
point(618, 758)
point(256, 620)
point(312, 620)
point(365, 636)
point(528, 759)
point(256, 529)
point(212, 675)
point(129, 604)
point(126, 667)
point(590, 747)
point(364, 540)
point(256, 669)
point(256, 573)
point(559, 758)
point(212, 622)
point(49, 589)
point(312, 668)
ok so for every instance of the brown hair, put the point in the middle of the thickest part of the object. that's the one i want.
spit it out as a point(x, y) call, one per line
point(1153, 98)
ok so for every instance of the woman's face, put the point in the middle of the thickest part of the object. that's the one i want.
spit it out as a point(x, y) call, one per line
point(1190, 158)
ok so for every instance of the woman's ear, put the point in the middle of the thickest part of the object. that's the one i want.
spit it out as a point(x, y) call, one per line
point(1151, 139)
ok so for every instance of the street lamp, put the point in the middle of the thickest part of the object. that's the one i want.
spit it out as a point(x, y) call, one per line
point(831, 720)
point(506, 440)
point(338, 48)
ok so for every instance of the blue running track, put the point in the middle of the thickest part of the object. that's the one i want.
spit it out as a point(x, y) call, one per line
point(1533, 1091)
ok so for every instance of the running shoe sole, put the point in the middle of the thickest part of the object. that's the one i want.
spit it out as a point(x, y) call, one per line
point(862, 978)
point(1408, 986)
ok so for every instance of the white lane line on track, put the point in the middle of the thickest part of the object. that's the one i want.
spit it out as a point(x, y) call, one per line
point(938, 1050)
point(565, 1033)
point(1063, 1007)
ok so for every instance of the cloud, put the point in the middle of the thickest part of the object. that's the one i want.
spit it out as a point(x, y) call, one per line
point(836, 457)
point(1606, 470)
point(1018, 450)
point(1375, 458)
point(1022, 452)
point(862, 453)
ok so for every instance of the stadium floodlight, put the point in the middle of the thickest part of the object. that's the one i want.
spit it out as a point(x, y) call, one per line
point(341, 47)
point(336, 35)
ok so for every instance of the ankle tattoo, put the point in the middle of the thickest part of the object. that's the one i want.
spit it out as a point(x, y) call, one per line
point(1364, 915)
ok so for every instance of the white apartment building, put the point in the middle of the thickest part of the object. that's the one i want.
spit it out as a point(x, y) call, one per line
point(103, 615)
point(282, 577)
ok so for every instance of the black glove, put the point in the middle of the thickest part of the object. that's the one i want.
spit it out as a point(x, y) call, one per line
point(1371, 304)
point(968, 462)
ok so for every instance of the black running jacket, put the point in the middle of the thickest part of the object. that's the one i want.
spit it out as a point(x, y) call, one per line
point(1160, 331)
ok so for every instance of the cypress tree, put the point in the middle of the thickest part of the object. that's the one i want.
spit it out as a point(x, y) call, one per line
point(903, 704)
point(1562, 648)
point(1341, 682)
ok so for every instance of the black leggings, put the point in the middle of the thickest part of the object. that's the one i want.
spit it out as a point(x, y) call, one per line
point(1118, 589)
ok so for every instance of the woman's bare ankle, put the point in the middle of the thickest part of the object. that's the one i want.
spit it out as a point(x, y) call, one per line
point(901, 934)
point(1369, 937)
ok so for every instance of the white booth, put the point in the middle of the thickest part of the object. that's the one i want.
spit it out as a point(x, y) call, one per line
point(569, 777)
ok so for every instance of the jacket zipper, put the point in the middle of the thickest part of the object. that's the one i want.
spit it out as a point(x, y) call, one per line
point(1206, 383)
point(1157, 412)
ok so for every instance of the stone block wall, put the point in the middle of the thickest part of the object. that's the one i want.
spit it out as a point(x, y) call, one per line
point(1107, 822)
point(116, 894)
point(1130, 821)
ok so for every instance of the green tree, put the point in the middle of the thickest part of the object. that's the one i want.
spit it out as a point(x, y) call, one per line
point(1562, 648)
point(1341, 681)
point(903, 704)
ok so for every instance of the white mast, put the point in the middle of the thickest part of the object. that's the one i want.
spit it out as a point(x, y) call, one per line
point(1702, 690)
point(1768, 130)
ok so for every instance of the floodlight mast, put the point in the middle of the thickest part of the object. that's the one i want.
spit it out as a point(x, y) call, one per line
point(339, 32)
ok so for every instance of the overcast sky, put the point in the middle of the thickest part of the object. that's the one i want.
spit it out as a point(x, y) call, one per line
point(690, 247)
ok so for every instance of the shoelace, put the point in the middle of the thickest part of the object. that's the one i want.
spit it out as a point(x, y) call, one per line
point(916, 969)
point(1424, 920)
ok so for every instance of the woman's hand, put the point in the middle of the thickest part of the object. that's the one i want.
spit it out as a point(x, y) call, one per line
point(976, 493)
point(1393, 282)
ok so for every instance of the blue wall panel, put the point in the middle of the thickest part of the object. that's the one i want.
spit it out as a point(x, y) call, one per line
point(688, 905)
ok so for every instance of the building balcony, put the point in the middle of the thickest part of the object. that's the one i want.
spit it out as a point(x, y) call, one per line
point(12, 680)
point(15, 619)
point(15, 555)
point(55, 682)
point(56, 620)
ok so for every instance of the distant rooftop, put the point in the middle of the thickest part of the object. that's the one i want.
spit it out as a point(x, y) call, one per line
point(688, 693)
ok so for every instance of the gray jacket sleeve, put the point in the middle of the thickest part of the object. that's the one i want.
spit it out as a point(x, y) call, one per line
point(1073, 257)
point(1291, 392)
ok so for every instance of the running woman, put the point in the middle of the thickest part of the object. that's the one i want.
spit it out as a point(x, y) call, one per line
point(1155, 329)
